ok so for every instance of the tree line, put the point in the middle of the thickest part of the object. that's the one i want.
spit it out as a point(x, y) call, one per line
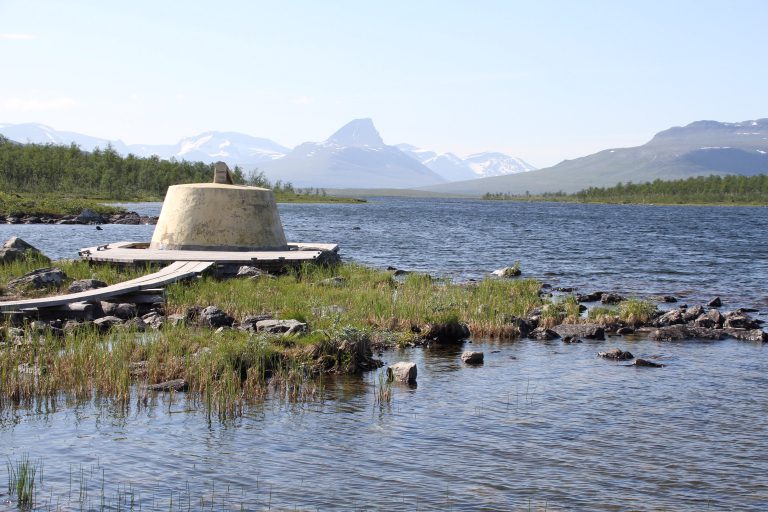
point(731, 189)
point(49, 169)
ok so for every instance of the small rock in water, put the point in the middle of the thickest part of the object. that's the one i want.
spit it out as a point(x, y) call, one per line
point(590, 331)
point(471, 357)
point(715, 303)
point(571, 339)
point(616, 354)
point(171, 385)
point(543, 334)
point(611, 298)
point(402, 372)
point(647, 364)
point(623, 331)
point(589, 297)
point(507, 272)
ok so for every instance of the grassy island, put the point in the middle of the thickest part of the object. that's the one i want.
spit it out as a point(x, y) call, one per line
point(349, 310)
point(734, 190)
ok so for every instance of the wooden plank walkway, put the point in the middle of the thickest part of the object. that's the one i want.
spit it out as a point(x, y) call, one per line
point(138, 252)
point(175, 272)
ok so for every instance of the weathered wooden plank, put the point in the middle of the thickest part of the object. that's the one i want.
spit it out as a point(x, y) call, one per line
point(172, 273)
point(137, 252)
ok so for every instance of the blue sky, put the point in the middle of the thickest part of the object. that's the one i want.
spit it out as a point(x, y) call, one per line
point(545, 80)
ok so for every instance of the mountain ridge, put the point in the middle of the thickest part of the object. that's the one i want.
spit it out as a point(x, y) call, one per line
point(359, 136)
point(698, 149)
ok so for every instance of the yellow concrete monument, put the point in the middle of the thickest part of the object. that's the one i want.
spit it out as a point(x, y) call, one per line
point(219, 216)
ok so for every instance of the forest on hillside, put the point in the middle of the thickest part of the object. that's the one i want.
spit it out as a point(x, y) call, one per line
point(102, 173)
point(731, 189)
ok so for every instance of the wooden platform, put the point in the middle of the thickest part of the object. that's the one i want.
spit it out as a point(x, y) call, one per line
point(177, 271)
point(139, 252)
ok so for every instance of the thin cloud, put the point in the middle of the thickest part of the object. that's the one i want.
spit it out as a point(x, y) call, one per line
point(304, 100)
point(36, 105)
point(17, 37)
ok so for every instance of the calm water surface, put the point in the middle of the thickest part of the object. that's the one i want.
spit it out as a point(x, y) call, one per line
point(540, 426)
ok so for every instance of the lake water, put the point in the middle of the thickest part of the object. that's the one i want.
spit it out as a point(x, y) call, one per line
point(539, 426)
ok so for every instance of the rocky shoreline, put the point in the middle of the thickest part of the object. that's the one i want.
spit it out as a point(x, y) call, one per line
point(87, 217)
point(545, 323)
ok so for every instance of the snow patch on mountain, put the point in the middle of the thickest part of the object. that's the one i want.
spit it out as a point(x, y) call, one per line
point(489, 164)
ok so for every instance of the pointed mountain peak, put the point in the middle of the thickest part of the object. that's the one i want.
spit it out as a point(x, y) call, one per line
point(357, 133)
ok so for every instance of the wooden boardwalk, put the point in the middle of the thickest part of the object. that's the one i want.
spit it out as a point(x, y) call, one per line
point(138, 252)
point(177, 271)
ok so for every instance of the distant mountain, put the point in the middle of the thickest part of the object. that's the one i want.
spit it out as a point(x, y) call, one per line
point(698, 149)
point(486, 165)
point(453, 168)
point(235, 148)
point(32, 133)
point(353, 157)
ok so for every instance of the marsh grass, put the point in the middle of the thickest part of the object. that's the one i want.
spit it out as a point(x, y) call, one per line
point(21, 481)
point(636, 311)
point(367, 298)
point(564, 310)
point(382, 395)
point(226, 371)
point(632, 311)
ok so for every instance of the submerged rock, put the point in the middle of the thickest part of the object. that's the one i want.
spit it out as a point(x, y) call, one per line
point(740, 320)
point(507, 272)
point(403, 371)
point(647, 364)
point(171, 385)
point(589, 331)
point(681, 332)
point(472, 357)
point(671, 317)
point(589, 297)
point(450, 332)
point(611, 298)
point(746, 334)
point(616, 354)
point(543, 334)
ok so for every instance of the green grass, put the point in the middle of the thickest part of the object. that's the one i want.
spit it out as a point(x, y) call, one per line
point(21, 481)
point(366, 298)
point(286, 197)
point(74, 269)
point(17, 205)
point(632, 311)
point(227, 370)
